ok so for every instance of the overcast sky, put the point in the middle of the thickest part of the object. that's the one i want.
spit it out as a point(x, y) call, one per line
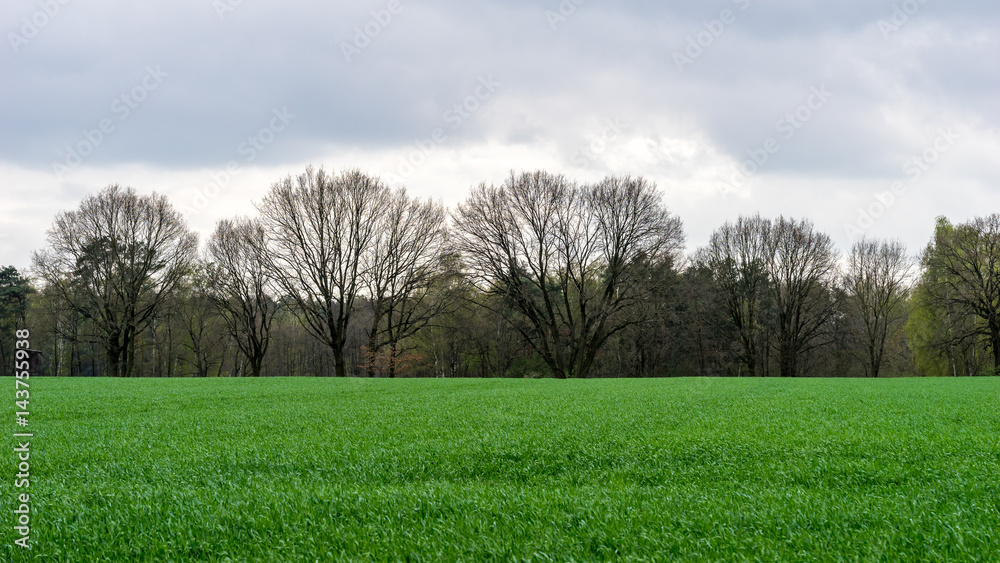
point(795, 107)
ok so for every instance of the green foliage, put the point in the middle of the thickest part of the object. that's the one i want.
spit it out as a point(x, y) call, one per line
point(442, 470)
point(955, 323)
point(922, 328)
point(14, 292)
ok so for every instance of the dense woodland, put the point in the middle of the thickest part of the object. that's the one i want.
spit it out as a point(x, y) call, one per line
point(341, 275)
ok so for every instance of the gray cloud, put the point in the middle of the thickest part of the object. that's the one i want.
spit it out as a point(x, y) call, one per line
point(225, 76)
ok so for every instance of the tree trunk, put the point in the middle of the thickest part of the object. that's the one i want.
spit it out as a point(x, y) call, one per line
point(339, 361)
point(872, 361)
point(113, 357)
point(392, 359)
point(129, 353)
point(789, 359)
point(372, 354)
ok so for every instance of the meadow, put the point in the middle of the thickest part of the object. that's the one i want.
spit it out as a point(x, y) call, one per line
point(528, 470)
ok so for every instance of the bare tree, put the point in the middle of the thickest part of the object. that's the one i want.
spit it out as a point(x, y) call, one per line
point(739, 255)
point(240, 283)
point(963, 277)
point(876, 283)
point(321, 227)
point(567, 258)
point(801, 273)
point(114, 260)
point(402, 264)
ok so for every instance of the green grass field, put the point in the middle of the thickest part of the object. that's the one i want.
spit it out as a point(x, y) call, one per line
point(439, 470)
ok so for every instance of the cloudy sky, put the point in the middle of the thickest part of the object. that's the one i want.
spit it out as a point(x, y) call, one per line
point(866, 116)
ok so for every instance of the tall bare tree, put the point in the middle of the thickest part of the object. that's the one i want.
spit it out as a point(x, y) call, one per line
point(114, 260)
point(569, 259)
point(801, 271)
point(321, 226)
point(241, 281)
point(739, 255)
point(877, 285)
point(403, 262)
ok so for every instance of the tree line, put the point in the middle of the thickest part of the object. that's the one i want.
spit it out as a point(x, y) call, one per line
point(340, 274)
